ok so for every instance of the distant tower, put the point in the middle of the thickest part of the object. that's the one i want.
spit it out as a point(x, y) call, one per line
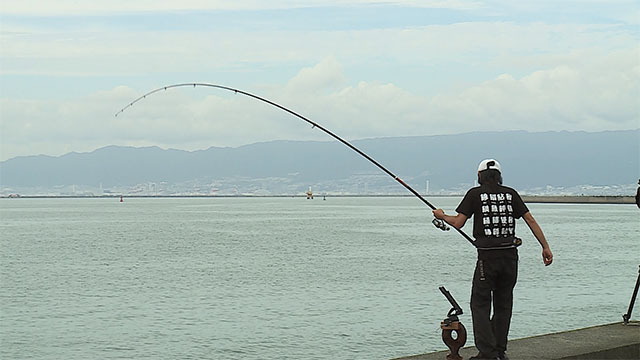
point(427, 193)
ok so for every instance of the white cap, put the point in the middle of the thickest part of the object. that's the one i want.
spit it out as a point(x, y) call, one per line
point(489, 164)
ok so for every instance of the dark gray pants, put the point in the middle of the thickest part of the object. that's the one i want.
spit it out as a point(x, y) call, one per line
point(493, 282)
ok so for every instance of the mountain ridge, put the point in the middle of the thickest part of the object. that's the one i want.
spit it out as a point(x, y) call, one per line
point(529, 160)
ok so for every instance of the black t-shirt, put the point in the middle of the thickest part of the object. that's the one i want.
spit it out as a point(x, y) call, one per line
point(495, 208)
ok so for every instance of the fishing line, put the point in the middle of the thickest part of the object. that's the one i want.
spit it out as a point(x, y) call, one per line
point(441, 224)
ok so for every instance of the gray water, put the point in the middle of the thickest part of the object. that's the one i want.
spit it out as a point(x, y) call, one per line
point(283, 278)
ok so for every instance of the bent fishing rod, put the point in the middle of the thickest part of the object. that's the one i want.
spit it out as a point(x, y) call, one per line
point(441, 224)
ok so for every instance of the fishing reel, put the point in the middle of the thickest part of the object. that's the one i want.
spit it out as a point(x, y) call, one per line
point(440, 224)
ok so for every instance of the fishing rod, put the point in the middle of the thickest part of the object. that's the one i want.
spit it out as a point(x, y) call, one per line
point(441, 224)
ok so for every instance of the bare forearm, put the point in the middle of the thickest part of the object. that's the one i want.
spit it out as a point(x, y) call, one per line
point(452, 220)
point(457, 221)
point(547, 255)
point(536, 230)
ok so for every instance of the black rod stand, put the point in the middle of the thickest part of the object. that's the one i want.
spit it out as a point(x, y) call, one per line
point(626, 317)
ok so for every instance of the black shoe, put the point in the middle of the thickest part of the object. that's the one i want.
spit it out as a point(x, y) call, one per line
point(502, 356)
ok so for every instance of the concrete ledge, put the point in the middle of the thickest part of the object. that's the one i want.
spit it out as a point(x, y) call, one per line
point(611, 341)
point(579, 199)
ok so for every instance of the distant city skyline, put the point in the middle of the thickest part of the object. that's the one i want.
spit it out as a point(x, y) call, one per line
point(362, 68)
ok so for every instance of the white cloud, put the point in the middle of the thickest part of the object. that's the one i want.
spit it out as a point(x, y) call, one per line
point(369, 82)
point(599, 95)
point(325, 76)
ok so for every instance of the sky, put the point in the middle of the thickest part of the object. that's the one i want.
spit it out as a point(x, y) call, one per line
point(360, 68)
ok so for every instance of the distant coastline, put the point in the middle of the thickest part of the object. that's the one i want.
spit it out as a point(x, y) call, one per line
point(560, 199)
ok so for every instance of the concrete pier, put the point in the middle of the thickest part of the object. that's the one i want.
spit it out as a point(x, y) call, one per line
point(611, 341)
point(579, 199)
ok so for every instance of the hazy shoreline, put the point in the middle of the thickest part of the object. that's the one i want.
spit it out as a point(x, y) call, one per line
point(563, 199)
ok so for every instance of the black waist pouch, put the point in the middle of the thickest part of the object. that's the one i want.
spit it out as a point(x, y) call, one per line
point(498, 243)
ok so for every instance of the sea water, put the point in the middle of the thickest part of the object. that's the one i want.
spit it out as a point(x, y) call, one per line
point(283, 278)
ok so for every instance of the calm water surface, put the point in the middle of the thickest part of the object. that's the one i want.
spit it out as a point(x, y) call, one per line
point(283, 278)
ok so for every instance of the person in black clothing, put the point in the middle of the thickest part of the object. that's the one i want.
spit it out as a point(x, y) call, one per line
point(495, 209)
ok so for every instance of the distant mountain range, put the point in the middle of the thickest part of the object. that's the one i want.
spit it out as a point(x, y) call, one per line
point(529, 160)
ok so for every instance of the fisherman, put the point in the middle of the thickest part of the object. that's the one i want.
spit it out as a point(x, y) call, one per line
point(496, 208)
